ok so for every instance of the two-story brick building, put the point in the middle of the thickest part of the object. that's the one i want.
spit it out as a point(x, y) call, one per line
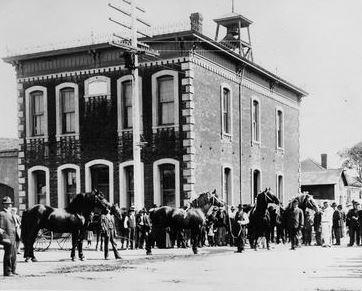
point(210, 118)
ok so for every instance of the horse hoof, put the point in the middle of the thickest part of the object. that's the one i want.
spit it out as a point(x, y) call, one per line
point(73, 259)
point(195, 252)
point(118, 258)
point(34, 260)
point(148, 253)
point(82, 258)
point(27, 260)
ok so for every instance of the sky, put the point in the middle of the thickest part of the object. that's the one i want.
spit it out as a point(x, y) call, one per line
point(315, 44)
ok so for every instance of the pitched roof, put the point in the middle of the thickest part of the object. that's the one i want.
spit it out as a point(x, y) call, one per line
point(309, 165)
point(325, 177)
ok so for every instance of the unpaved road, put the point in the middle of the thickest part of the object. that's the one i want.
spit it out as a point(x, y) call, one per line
point(308, 268)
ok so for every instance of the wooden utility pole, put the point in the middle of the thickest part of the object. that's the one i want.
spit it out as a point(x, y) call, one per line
point(134, 48)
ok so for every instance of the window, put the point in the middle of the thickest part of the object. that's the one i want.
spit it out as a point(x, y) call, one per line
point(38, 186)
point(127, 103)
point(226, 101)
point(165, 100)
point(280, 187)
point(129, 185)
point(68, 110)
point(256, 184)
point(255, 121)
point(166, 182)
point(36, 112)
point(37, 109)
point(280, 129)
point(227, 185)
point(165, 92)
point(68, 180)
point(167, 185)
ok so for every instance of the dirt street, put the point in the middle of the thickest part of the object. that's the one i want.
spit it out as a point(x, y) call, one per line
point(307, 268)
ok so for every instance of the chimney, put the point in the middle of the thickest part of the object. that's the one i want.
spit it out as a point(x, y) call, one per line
point(196, 22)
point(324, 161)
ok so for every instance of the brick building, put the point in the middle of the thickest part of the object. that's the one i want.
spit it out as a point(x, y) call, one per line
point(210, 119)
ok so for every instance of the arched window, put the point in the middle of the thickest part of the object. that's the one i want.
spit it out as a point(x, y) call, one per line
point(255, 120)
point(36, 112)
point(256, 184)
point(68, 183)
point(227, 181)
point(38, 186)
point(99, 175)
point(280, 128)
point(165, 99)
point(97, 86)
point(166, 173)
point(226, 110)
point(280, 186)
point(125, 105)
point(67, 109)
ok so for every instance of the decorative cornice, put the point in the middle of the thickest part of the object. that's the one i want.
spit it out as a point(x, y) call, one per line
point(247, 83)
point(101, 70)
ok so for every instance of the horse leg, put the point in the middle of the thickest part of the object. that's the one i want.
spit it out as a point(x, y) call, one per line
point(97, 234)
point(80, 245)
point(74, 244)
point(30, 245)
point(195, 239)
point(149, 242)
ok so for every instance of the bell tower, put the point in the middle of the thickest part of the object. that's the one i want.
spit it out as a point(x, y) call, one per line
point(237, 36)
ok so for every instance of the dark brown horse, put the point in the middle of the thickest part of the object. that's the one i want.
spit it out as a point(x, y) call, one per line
point(259, 218)
point(73, 219)
point(177, 219)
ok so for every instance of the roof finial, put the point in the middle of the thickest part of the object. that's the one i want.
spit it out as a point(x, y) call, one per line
point(232, 7)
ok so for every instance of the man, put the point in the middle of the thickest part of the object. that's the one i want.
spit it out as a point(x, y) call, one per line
point(132, 236)
point(295, 222)
point(143, 227)
point(240, 221)
point(108, 229)
point(17, 219)
point(326, 222)
point(232, 213)
point(8, 237)
point(353, 224)
point(318, 226)
point(337, 224)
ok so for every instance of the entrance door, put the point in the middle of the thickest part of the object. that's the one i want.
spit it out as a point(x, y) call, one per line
point(40, 187)
point(70, 185)
point(100, 179)
point(129, 185)
point(256, 184)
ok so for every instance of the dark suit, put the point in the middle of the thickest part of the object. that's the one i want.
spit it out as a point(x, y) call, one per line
point(8, 225)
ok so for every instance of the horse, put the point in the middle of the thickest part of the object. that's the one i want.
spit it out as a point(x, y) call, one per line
point(192, 218)
point(74, 219)
point(304, 201)
point(259, 218)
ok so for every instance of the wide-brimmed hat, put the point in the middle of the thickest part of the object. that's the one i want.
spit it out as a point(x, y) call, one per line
point(334, 204)
point(132, 208)
point(232, 207)
point(7, 200)
point(355, 202)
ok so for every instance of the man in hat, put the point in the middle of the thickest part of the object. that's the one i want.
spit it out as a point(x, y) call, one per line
point(132, 235)
point(337, 224)
point(295, 223)
point(353, 224)
point(241, 220)
point(8, 237)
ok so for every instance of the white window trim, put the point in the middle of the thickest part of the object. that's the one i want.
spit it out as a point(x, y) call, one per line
point(278, 174)
point(252, 182)
point(31, 192)
point(223, 133)
point(59, 114)
point(60, 182)
point(88, 176)
point(253, 140)
point(122, 183)
point(28, 115)
point(276, 128)
point(230, 167)
point(156, 180)
point(120, 103)
point(155, 115)
point(95, 79)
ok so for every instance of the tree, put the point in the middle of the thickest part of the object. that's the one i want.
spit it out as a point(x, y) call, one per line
point(352, 158)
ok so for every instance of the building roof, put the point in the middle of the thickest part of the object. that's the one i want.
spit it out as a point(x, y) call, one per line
point(230, 18)
point(309, 165)
point(325, 177)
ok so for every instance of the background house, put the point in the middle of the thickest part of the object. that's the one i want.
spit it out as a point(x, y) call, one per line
point(329, 184)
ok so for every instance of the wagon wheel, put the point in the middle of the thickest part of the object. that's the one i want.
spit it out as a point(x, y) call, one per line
point(63, 241)
point(43, 240)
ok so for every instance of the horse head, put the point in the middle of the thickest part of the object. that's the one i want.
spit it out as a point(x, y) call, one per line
point(266, 197)
point(308, 202)
point(206, 200)
point(99, 201)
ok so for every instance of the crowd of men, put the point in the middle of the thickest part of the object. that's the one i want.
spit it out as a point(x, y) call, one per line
point(224, 226)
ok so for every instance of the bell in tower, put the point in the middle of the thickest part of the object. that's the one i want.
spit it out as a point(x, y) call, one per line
point(236, 25)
